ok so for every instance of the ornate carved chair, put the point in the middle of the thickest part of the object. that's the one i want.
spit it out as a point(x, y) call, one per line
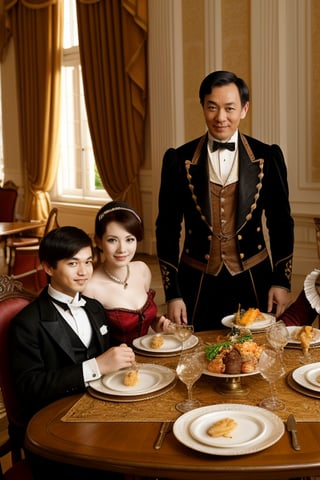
point(13, 298)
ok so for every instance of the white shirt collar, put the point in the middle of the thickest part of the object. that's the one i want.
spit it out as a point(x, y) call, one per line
point(62, 297)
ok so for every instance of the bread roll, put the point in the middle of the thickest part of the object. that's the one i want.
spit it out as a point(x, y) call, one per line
point(222, 428)
point(131, 378)
point(157, 342)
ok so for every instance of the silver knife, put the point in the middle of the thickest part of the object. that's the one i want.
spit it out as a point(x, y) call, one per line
point(293, 429)
point(165, 427)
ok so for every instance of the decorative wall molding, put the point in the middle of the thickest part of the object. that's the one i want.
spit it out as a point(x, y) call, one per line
point(166, 93)
point(213, 35)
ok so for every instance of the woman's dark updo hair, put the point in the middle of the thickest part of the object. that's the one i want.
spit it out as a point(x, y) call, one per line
point(122, 213)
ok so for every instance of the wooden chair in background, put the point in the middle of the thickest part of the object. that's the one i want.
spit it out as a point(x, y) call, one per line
point(23, 241)
point(24, 260)
point(8, 200)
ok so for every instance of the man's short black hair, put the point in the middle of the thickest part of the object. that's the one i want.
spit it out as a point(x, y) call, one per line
point(63, 243)
point(221, 78)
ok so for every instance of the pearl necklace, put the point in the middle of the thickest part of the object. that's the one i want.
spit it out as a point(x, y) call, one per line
point(116, 279)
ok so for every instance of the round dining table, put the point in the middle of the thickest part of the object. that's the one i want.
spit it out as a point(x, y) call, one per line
point(105, 433)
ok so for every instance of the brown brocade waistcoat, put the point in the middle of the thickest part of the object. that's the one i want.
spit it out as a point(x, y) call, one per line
point(223, 249)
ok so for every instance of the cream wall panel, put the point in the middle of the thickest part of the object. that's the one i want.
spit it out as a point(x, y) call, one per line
point(314, 173)
point(193, 66)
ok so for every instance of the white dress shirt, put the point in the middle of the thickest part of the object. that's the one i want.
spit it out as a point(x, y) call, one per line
point(223, 163)
point(77, 318)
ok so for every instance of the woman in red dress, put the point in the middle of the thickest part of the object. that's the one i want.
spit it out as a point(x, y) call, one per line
point(121, 283)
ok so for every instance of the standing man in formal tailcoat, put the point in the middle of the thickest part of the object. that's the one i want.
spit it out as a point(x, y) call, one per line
point(225, 188)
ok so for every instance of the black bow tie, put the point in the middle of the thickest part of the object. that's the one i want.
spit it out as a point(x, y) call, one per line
point(228, 145)
point(63, 305)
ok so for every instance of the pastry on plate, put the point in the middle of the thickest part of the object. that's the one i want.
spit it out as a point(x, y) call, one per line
point(222, 428)
point(131, 377)
point(156, 341)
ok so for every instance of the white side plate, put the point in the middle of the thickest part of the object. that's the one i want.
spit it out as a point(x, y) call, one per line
point(152, 377)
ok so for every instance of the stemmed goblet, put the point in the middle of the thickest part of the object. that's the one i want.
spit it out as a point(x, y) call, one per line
point(181, 332)
point(189, 370)
point(278, 336)
point(272, 369)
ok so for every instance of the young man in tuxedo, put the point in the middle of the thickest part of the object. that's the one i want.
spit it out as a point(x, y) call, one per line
point(60, 341)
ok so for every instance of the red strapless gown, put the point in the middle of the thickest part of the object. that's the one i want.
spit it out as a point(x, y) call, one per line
point(125, 325)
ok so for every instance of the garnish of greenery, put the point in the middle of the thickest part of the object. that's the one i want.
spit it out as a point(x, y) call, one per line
point(213, 350)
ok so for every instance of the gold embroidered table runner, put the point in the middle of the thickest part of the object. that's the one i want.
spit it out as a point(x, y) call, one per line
point(162, 408)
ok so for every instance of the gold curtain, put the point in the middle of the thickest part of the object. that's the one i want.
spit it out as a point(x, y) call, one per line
point(4, 31)
point(112, 40)
point(36, 27)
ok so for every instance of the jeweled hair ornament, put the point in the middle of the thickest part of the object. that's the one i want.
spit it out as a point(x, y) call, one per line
point(114, 209)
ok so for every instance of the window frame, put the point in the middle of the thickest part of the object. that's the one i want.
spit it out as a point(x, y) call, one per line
point(77, 171)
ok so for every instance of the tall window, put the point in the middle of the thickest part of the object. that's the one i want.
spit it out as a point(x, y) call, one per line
point(78, 179)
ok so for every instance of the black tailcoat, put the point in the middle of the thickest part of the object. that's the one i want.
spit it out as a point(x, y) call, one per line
point(185, 195)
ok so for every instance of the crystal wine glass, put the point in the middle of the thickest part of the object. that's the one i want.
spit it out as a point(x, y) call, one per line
point(278, 336)
point(189, 370)
point(181, 331)
point(271, 368)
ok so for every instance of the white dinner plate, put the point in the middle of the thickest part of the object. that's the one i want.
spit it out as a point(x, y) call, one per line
point(293, 334)
point(170, 344)
point(228, 375)
point(152, 377)
point(266, 428)
point(148, 379)
point(250, 427)
point(228, 321)
point(313, 376)
point(306, 376)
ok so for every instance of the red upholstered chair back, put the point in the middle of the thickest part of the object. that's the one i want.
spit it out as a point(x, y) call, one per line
point(19, 471)
point(8, 198)
point(12, 300)
point(9, 308)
